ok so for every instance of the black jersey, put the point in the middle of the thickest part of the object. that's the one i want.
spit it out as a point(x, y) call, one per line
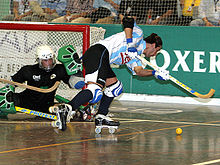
point(39, 78)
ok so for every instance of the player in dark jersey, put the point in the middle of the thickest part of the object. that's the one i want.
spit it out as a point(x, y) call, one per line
point(41, 75)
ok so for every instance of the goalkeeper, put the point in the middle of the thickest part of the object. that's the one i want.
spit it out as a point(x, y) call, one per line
point(121, 48)
point(44, 75)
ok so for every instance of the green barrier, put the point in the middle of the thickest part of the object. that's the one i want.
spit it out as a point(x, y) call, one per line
point(191, 54)
point(5, 8)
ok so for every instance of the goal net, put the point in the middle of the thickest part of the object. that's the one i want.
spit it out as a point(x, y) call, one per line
point(18, 43)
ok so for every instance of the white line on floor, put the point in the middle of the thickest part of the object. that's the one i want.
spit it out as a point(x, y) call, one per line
point(208, 162)
point(170, 122)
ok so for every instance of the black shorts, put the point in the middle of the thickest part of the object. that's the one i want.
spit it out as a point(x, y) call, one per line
point(96, 64)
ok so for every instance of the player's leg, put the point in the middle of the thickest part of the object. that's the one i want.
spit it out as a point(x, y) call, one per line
point(87, 112)
point(102, 120)
point(113, 89)
point(92, 60)
point(106, 100)
point(92, 94)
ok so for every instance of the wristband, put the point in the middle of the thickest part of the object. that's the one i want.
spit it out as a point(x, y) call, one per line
point(153, 72)
point(129, 40)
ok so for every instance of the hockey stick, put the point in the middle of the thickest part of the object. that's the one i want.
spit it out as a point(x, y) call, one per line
point(211, 92)
point(32, 87)
point(36, 113)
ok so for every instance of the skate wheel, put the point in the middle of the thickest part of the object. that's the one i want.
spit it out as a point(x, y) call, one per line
point(53, 109)
point(50, 110)
point(98, 130)
point(111, 130)
point(55, 123)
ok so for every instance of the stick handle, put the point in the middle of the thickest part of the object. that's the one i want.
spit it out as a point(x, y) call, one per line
point(210, 94)
point(31, 87)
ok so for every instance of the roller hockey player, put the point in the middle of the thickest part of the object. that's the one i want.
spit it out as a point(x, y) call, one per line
point(44, 74)
point(102, 84)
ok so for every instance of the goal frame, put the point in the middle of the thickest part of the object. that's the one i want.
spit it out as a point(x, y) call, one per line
point(85, 29)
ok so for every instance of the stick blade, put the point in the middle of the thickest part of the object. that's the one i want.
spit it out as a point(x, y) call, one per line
point(210, 94)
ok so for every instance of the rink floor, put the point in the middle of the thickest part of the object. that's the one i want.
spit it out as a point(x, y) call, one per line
point(146, 136)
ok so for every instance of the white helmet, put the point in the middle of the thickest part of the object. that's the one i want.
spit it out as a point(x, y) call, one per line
point(45, 52)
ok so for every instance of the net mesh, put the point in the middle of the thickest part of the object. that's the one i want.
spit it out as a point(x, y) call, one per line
point(154, 12)
point(18, 48)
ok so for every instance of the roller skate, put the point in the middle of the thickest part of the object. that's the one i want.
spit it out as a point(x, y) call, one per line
point(90, 112)
point(64, 113)
point(86, 113)
point(83, 114)
point(93, 110)
point(102, 121)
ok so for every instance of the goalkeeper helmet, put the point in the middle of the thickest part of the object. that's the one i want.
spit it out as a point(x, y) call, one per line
point(46, 57)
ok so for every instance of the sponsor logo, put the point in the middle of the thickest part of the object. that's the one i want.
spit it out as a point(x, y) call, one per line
point(36, 78)
point(125, 58)
point(200, 61)
point(53, 76)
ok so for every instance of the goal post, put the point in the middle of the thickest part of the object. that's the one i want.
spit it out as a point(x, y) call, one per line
point(18, 43)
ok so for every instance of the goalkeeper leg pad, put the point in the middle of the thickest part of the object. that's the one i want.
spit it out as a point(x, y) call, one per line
point(7, 99)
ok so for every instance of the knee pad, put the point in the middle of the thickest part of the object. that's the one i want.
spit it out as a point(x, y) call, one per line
point(114, 90)
point(96, 93)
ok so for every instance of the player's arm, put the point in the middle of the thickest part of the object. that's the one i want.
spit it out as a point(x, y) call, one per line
point(160, 74)
point(128, 25)
point(206, 21)
point(142, 72)
point(20, 75)
point(15, 9)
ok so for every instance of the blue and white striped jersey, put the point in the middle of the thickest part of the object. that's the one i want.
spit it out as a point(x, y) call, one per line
point(117, 46)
